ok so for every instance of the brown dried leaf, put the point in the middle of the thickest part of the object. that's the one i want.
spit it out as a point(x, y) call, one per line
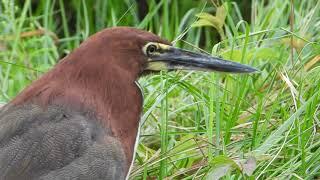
point(249, 166)
point(3, 47)
point(311, 63)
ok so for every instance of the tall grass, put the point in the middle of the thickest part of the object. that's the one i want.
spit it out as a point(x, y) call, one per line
point(195, 125)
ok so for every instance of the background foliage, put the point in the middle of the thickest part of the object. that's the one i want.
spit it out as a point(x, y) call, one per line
point(195, 125)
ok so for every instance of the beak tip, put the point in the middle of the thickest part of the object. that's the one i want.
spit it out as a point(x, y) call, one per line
point(254, 70)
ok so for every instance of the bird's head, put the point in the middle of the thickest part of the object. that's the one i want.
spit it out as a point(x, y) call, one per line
point(166, 57)
point(139, 52)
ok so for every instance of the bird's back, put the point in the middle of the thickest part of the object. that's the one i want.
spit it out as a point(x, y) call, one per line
point(56, 143)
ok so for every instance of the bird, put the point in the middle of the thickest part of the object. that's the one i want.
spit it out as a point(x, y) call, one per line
point(80, 120)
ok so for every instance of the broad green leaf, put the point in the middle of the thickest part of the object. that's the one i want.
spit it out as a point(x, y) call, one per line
point(217, 22)
point(222, 12)
point(204, 22)
point(213, 19)
point(220, 166)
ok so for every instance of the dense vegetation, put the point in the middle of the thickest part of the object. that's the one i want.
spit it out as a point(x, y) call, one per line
point(196, 124)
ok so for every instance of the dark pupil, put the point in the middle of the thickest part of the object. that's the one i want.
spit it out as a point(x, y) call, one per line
point(152, 49)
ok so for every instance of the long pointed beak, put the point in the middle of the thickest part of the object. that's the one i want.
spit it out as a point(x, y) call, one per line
point(173, 58)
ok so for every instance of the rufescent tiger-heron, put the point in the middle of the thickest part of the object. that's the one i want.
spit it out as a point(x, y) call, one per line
point(80, 120)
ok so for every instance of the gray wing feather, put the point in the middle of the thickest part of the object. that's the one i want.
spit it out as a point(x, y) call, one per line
point(56, 144)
